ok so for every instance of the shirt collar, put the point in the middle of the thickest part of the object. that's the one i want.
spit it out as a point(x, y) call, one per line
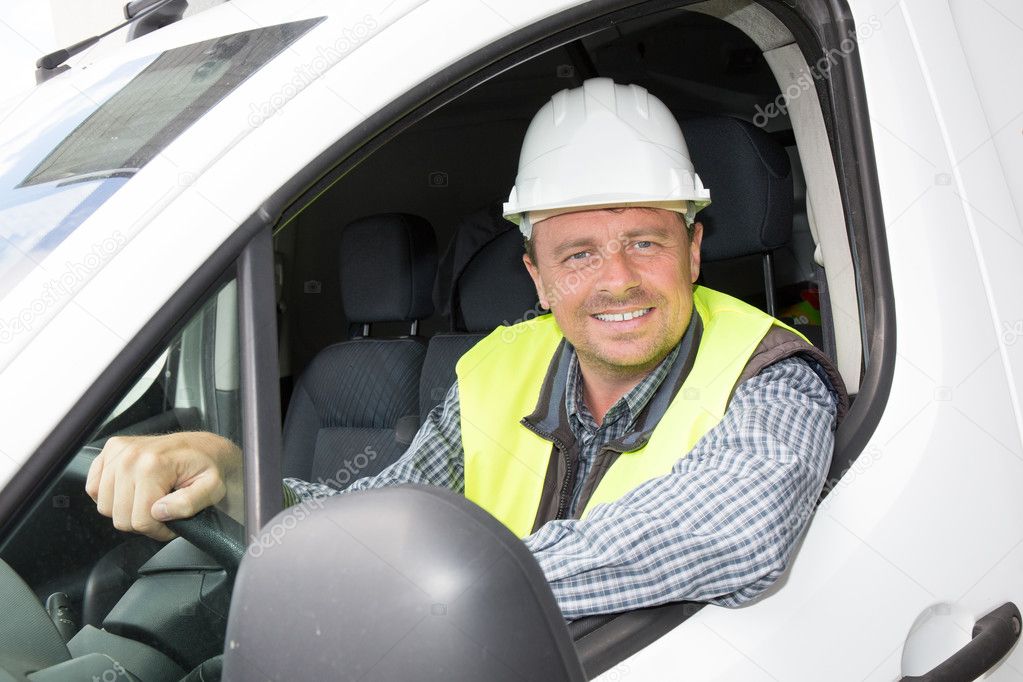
point(627, 407)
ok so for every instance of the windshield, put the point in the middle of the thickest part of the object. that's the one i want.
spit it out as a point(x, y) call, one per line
point(52, 181)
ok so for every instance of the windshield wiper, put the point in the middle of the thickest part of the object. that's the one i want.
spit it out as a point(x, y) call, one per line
point(48, 65)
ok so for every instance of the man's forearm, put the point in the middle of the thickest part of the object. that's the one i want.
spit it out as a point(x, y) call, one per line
point(433, 458)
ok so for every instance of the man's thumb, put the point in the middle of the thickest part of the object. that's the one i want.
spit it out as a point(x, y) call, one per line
point(188, 501)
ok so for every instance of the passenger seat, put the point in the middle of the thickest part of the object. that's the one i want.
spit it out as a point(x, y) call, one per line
point(355, 407)
point(489, 287)
point(750, 178)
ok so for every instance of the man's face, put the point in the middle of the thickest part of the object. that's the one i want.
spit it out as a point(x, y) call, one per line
point(619, 283)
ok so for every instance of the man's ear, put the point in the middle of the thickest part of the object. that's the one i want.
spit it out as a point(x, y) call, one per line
point(694, 251)
point(534, 272)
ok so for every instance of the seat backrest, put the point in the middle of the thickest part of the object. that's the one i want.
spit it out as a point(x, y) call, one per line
point(489, 287)
point(750, 177)
point(355, 407)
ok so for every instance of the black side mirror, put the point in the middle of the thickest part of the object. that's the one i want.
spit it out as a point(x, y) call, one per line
point(408, 583)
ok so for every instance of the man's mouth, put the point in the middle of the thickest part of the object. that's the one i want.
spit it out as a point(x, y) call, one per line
point(622, 317)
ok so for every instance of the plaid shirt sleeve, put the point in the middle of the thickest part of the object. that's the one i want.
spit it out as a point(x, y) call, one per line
point(433, 458)
point(720, 527)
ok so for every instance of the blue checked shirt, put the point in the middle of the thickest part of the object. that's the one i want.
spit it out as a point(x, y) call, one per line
point(719, 528)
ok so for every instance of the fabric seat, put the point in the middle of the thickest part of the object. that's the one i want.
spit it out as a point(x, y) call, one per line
point(355, 407)
point(751, 187)
point(488, 286)
point(750, 177)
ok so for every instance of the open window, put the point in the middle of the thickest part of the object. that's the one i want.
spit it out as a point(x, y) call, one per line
point(787, 78)
point(764, 64)
point(94, 576)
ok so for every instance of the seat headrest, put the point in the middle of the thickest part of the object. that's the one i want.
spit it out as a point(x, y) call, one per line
point(482, 281)
point(750, 181)
point(388, 262)
point(494, 287)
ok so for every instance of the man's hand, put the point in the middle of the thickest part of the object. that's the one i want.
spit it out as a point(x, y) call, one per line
point(141, 481)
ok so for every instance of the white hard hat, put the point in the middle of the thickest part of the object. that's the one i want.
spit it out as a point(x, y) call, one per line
point(603, 145)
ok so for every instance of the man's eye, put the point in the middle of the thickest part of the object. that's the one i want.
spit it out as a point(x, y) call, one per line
point(644, 245)
point(581, 255)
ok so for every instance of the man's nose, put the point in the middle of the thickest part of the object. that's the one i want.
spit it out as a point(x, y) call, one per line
point(617, 274)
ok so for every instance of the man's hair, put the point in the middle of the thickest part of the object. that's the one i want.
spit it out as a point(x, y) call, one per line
point(531, 246)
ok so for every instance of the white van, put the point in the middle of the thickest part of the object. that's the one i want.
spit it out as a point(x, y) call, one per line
point(172, 211)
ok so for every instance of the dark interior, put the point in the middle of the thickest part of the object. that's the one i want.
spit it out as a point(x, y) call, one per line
point(359, 306)
point(463, 158)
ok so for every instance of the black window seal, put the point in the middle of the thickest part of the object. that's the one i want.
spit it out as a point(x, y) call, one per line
point(815, 25)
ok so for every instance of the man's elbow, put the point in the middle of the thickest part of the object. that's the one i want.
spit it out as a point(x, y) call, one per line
point(770, 566)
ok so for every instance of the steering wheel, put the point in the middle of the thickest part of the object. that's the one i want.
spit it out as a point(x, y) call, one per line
point(216, 534)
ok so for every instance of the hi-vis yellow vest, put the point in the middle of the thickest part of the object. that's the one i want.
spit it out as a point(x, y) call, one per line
point(499, 382)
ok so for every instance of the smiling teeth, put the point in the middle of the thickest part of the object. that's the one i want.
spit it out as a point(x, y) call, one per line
point(621, 317)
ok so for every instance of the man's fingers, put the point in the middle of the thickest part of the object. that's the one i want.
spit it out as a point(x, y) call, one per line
point(206, 490)
point(133, 479)
point(99, 482)
point(123, 501)
point(142, 520)
point(105, 497)
point(92, 480)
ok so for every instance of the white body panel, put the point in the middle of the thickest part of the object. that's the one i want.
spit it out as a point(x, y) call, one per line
point(926, 533)
point(928, 528)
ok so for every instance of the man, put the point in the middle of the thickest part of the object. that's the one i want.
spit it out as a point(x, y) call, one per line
point(650, 441)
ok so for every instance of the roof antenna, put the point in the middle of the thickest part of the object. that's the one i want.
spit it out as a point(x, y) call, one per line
point(49, 65)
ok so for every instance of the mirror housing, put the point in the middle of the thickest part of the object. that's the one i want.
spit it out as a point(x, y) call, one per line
point(400, 583)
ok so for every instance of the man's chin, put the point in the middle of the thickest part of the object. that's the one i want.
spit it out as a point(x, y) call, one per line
point(627, 360)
